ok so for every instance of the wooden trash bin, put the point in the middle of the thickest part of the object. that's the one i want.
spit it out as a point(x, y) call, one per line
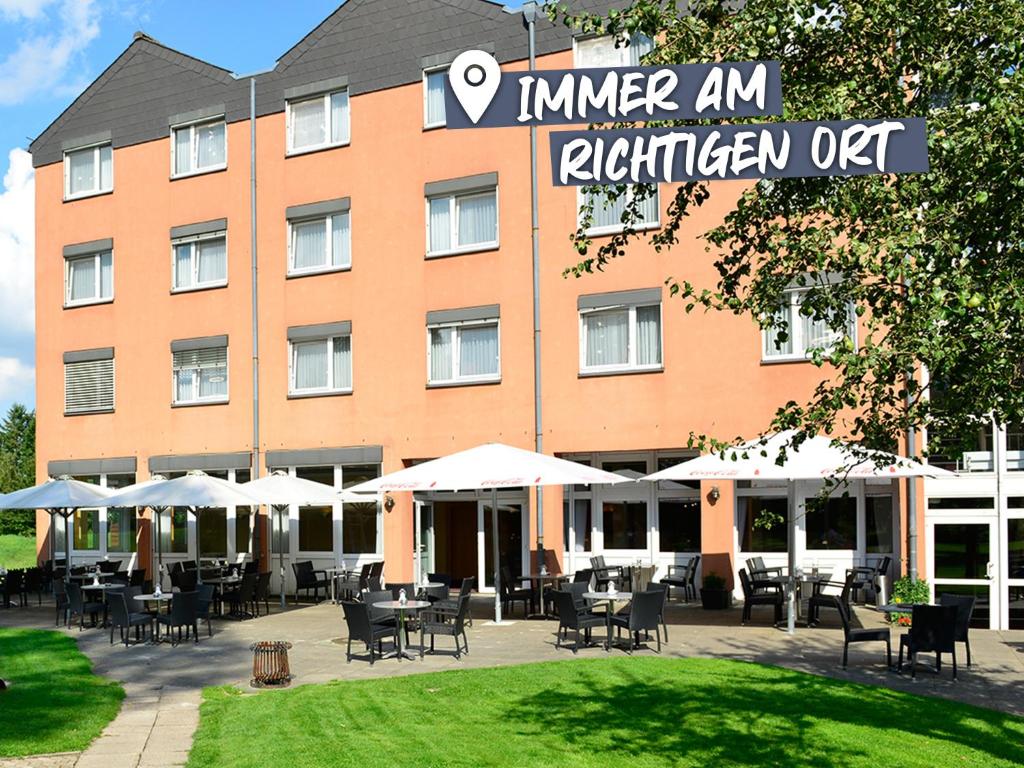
point(270, 664)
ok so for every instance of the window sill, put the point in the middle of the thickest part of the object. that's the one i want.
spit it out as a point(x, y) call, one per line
point(309, 395)
point(483, 248)
point(620, 372)
point(202, 172)
point(89, 303)
point(200, 404)
point(451, 384)
point(606, 231)
point(199, 288)
point(89, 413)
point(313, 150)
point(315, 272)
point(434, 126)
point(87, 195)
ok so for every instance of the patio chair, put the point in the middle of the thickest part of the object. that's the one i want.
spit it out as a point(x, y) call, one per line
point(34, 580)
point(382, 616)
point(442, 621)
point(376, 573)
point(583, 576)
point(123, 618)
point(186, 581)
point(932, 630)
point(77, 604)
point(604, 573)
point(869, 577)
point(644, 616)
point(364, 576)
point(759, 572)
point(569, 617)
point(137, 578)
point(772, 597)
point(307, 578)
point(361, 627)
point(13, 588)
point(203, 606)
point(61, 602)
point(440, 578)
point(396, 590)
point(244, 598)
point(262, 593)
point(819, 599)
point(661, 589)
point(250, 566)
point(465, 590)
point(859, 635)
point(184, 613)
point(678, 577)
point(511, 595)
point(964, 611)
point(109, 566)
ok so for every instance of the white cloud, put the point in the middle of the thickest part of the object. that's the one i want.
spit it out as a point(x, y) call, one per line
point(17, 380)
point(17, 245)
point(42, 59)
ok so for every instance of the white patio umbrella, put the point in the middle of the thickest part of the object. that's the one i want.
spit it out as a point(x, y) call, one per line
point(816, 458)
point(63, 496)
point(195, 490)
point(157, 547)
point(489, 466)
point(279, 490)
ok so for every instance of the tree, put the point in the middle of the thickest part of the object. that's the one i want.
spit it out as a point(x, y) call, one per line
point(18, 466)
point(931, 262)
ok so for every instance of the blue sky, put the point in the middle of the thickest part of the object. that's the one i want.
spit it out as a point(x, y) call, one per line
point(50, 50)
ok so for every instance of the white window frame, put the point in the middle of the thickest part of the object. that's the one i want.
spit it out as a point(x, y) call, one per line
point(456, 350)
point(98, 298)
point(329, 266)
point(193, 241)
point(291, 149)
point(98, 190)
point(196, 400)
point(427, 125)
point(193, 144)
point(631, 364)
point(330, 389)
point(800, 353)
point(612, 229)
point(625, 60)
point(453, 223)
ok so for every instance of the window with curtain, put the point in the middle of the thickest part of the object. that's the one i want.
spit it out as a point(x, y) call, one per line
point(620, 338)
point(321, 365)
point(433, 98)
point(321, 244)
point(756, 536)
point(89, 278)
point(199, 147)
point(580, 520)
point(88, 171)
point(831, 524)
point(462, 222)
point(625, 524)
point(679, 525)
point(464, 352)
point(608, 51)
point(878, 523)
point(803, 334)
point(200, 262)
point(200, 375)
point(608, 209)
point(318, 122)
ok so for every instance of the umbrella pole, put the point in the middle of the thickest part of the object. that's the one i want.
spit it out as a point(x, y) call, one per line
point(66, 514)
point(791, 503)
point(497, 564)
point(280, 549)
point(199, 573)
point(158, 577)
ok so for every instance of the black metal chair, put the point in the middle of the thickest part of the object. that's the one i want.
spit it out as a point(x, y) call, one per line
point(859, 635)
point(243, 599)
point(644, 615)
point(364, 577)
point(681, 577)
point(307, 578)
point(583, 576)
point(442, 621)
point(137, 578)
point(361, 627)
point(570, 617)
point(184, 613)
point(382, 616)
point(109, 566)
point(13, 588)
point(964, 611)
point(33, 580)
point(820, 599)
point(604, 573)
point(186, 580)
point(77, 604)
point(772, 597)
point(124, 619)
point(932, 630)
point(206, 596)
point(758, 571)
point(465, 590)
point(869, 577)
point(262, 593)
point(61, 602)
point(510, 595)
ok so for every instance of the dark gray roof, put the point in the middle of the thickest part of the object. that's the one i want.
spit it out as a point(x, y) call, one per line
point(376, 44)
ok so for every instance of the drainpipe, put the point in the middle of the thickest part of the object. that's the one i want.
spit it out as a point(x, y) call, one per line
point(255, 285)
point(530, 12)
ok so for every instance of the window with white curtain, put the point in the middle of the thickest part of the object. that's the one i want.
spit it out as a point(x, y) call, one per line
point(608, 51)
point(318, 122)
point(433, 97)
point(88, 171)
point(320, 365)
point(200, 375)
point(803, 334)
point(200, 262)
point(606, 216)
point(463, 352)
point(320, 245)
point(620, 338)
point(89, 279)
point(199, 147)
point(457, 223)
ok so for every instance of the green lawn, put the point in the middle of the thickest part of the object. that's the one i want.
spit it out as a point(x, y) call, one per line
point(55, 702)
point(604, 712)
point(17, 551)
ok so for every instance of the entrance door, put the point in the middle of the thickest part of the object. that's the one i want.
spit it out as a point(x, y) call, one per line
point(423, 546)
point(511, 540)
point(960, 562)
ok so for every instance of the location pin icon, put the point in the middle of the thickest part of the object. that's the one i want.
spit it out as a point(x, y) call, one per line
point(475, 77)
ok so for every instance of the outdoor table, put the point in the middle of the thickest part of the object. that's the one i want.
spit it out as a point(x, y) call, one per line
point(334, 574)
point(218, 582)
point(400, 610)
point(88, 576)
point(611, 598)
point(163, 597)
point(103, 588)
point(800, 579)
point(539, 579)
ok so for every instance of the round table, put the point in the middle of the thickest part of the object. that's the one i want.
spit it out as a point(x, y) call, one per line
point(401, 609)
point(88, 576)
point(611, 598)
point(334, 573)
point(539, 579)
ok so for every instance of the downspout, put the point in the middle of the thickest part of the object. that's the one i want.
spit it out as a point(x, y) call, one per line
point(911, 481)
point(257, 545)
point(530, 11)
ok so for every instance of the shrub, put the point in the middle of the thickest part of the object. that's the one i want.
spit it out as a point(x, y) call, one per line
point(908, 590)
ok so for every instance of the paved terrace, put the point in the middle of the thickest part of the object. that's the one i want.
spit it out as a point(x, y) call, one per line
point(163, 683)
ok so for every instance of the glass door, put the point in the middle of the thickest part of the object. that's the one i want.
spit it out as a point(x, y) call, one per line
point(1015, 573)
point(423, 547)
point(511, 540)
point(961, 562)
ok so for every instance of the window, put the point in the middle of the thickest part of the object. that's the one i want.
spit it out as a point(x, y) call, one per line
point(458, 223)
point(625, 525)
point(200, 375)
point(580, 521)
point(88, 171)
point(318, 122)
point(679, 525)
point(86, 529)
point(316, 523)
point(122, 522)
point(606, 216)
point(199, 147)
point(200, 262)
point(607, 51)
point(243, 529)
point(620, 338)
point(89, 279)
point(174, 531)
point(831, 524)
point(321, 365)
point(213, 532)
point(803, 334)
point(758, 538)
point(463, 352)
point(320, 244)
point(359, 519)
point(878, 521)
point(433, 97)
point(89, 386)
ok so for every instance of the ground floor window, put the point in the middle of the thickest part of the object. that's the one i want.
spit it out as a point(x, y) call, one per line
point(213, 532)
point(1015, 605)
point(961, 551)
point(580, 521)
point(122, 529)
point(759, 537)
point(174, 531)
point(316, 529)
point(878, 522)
point(831, 523)
point(359, 528)
point(86, 529)
point(625, 524)
point(679, 525)
point(243, 528)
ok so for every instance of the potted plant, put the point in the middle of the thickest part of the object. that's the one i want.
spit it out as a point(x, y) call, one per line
point(713, 594)
point(909, 591)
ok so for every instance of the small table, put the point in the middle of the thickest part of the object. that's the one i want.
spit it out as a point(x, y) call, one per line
point(798, 580)
point(539, 579)
point(88, 576)
point(163, 597)
point(611, 599)
point(334, 574)
point(400, 610)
